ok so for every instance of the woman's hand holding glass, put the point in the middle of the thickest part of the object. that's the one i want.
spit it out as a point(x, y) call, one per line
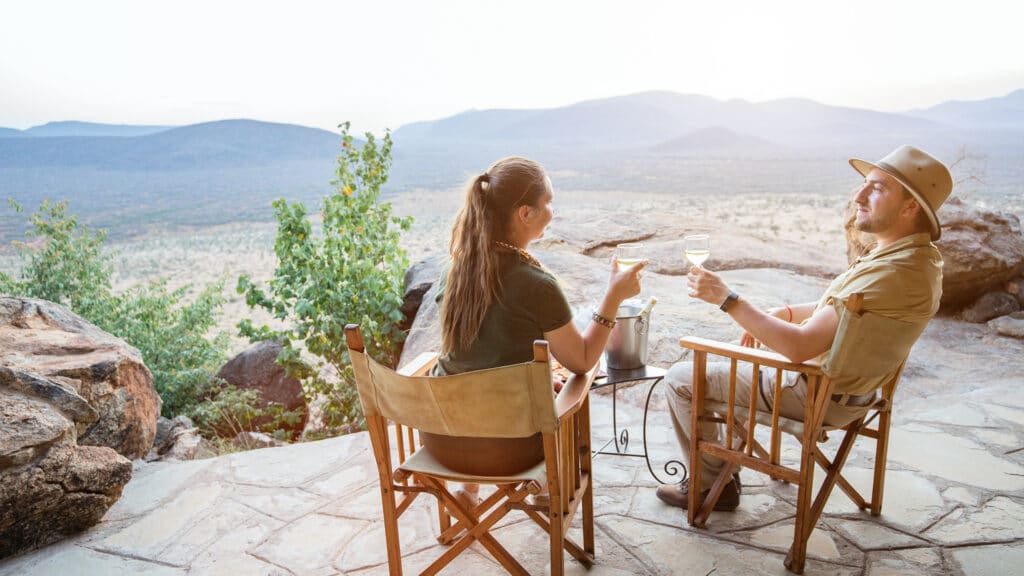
point(625, 280)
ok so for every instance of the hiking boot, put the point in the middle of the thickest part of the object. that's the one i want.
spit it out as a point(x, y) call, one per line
point(679, 495)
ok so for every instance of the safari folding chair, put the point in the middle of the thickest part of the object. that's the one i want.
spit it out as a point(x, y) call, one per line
point(508, 402)
point(880, 338)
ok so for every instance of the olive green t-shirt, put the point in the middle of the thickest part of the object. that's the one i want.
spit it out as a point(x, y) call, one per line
point(531, 304)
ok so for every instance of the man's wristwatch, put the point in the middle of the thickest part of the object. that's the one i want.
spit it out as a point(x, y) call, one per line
point(729, 301)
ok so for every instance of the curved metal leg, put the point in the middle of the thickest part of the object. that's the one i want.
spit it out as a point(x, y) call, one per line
point(672, 467)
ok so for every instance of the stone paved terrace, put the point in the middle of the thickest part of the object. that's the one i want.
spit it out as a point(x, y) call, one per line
point(954, 505)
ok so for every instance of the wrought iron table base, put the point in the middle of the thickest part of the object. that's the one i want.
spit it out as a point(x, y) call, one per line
point(621, 438)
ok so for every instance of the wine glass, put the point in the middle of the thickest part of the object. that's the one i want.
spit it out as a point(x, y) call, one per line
point(629, 254)
point(698, 248)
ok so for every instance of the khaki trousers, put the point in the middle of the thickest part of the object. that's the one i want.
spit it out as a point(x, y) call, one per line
point(679, 393)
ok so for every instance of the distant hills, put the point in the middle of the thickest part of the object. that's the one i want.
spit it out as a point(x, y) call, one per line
point(75, 128)
point(225, 143)
point(996, 114)
point(130, 178)
point(654, 119)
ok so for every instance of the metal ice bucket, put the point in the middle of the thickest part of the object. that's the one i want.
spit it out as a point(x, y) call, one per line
point(627, 345)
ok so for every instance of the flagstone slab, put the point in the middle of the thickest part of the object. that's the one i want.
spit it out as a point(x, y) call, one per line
point(1000, 519)
point(156, 531)
point(285, 504)
point(1014, 415)
point(1001, 437)
point(295, 464)
point(228, 555)
point(365, 504)
point(955, 413)
point(899, 567)
point(911, 501)
point(929, 557)
point(779, 536)
point(668, 551)
point(69, 559)
point(869, 535)
point(953, 458)
point(310, 544)
point(236, 565)
point(610, 557)
point(995, 560)
point(470, 563)
point(645, 505)
point(613, 500)
point(369, 547)
point(225, 518)
point(615, 470)
point(359, 472)
point(159, 481)
point(756, 509)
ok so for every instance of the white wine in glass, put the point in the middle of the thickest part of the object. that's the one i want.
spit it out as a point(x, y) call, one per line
point(698, 248)
point(629, 255)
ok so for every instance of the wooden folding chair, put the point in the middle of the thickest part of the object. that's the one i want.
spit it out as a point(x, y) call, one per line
point(884, 337)
point(508, 402)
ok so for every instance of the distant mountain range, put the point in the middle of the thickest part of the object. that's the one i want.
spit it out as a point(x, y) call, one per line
point(225, 143)
point(75, 128)
point(129, 177)
point(655, 119)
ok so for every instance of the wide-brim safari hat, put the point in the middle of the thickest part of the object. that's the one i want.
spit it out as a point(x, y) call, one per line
point(927, 179)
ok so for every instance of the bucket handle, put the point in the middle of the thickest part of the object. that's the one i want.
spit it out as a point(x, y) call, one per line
point(642, 325)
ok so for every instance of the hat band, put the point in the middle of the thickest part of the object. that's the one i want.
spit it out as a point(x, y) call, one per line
point(903, 179)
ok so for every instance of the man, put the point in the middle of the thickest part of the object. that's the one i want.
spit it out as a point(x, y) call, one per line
point(901, 279)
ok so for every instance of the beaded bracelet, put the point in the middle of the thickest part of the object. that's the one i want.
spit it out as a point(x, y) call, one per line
point(603, 321)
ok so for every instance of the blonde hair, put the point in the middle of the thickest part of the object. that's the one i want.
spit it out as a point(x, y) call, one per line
point(473, 282)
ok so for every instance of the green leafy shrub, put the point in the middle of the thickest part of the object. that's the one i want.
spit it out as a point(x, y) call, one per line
point(233, 410)
point(63, 262)
point(349, 272)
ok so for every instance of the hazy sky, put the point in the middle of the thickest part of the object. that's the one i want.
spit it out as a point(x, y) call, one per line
point(385, 63)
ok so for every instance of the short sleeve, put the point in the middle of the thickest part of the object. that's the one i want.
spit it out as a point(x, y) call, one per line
point(546, 303)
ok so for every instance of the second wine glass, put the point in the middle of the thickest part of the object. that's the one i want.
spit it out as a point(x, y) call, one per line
point(698, 248)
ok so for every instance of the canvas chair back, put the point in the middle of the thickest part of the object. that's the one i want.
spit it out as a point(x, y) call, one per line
point(508, 402)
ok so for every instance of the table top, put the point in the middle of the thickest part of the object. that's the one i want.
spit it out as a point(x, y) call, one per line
point(621, 376)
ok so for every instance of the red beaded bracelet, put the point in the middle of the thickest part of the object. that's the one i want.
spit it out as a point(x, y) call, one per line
point(603, 321)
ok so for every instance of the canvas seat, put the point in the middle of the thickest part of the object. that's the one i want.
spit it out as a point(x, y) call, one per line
point(881, 337)
point(508, 402)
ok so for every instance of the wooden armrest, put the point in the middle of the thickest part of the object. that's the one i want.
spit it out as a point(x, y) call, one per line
point(574, 392)
point(420, 365)
point(753, 355)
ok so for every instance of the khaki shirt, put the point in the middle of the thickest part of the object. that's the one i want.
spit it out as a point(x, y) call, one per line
point(901, 282)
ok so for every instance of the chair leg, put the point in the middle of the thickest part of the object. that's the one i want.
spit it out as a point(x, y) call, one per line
point(586, 468)
point(696, 415)
point(392, 542)
point(797, 554)
point(881, 457)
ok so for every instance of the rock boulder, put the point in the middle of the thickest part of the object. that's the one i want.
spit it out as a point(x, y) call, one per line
point(257, 369)
point(50, 486)
point(47, 340)
point(989, 306)
point(982, 251)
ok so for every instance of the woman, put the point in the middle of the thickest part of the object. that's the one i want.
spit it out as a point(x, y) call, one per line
point(496, 299)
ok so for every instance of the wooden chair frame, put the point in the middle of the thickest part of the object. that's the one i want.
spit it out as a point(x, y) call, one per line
point(566, 470)
point(748, 452)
